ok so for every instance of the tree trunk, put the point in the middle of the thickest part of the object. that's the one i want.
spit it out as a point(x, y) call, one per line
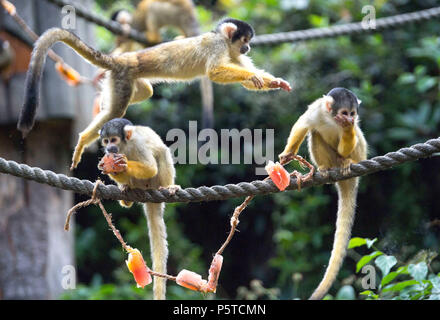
point(34, 248)
point(33, 244)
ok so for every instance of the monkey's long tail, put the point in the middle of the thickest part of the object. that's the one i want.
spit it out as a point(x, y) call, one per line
point(206, 86)
point(347, 192)
point(158, 245)
point(36, 65)
point(207, 93)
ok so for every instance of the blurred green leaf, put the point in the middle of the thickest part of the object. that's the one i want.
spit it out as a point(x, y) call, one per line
point(418, 271)
point(392, 275)
point(426, 83)
point(400, 285)
point(385, 263)
point(370, 294)
point(370, 242)
point(356, 242)
point(366, 259)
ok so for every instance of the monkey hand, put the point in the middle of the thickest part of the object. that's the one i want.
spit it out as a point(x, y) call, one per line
point(286, 157)
point(257, 80)
point(113, 163)
point(345, 122)
point(279, 83)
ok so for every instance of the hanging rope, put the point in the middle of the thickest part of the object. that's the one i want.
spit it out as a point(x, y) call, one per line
point(243, 189)
point(275, 38)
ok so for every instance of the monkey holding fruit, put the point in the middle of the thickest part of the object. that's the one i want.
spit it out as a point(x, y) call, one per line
point(136, 157)
point(335, 140)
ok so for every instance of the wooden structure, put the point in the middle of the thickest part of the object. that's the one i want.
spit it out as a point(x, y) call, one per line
point(34, 247)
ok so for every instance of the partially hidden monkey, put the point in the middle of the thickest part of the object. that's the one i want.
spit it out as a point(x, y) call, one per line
point(334, 140)
point(143, 162)
point(151, 15)
point(219, 54)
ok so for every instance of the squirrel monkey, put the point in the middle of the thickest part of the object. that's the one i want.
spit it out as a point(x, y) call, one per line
point(152, 15)
point(334, 140)
point(219, 54)
point(142, 161)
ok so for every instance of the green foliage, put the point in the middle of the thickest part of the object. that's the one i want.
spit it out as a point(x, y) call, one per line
point(409, 281)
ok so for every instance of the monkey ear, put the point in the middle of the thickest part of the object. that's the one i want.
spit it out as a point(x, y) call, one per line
point(359, 101)
point(328, 102)
point(128, 132)
point(227, 29)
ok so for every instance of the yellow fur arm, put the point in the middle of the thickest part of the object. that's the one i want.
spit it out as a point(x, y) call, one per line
point(139, 170)
point(296, 137)
point(267, 80)
point(347, 143)
point(229, 74)
point(135, 170)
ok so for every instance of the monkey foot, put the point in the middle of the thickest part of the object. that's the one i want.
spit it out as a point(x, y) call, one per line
point(300, 178)
point(76, 158)
point(345, 170)
point(172, 189)
point(344, 165)
point(324, 172)
point(124, 188)
point(125, 204)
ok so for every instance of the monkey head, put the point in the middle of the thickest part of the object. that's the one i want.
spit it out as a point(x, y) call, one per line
point(239, 34)
point(343, 105)
point(115, 134)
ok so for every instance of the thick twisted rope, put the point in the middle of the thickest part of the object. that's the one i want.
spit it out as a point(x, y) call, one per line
point(348, 28)
point(217, 192)
point(293, 36)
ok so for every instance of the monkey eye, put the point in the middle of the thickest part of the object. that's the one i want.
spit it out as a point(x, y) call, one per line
point(105, 141)
point(114, 140)
point(245, 39)
point(345, 113)
point(352, 113)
